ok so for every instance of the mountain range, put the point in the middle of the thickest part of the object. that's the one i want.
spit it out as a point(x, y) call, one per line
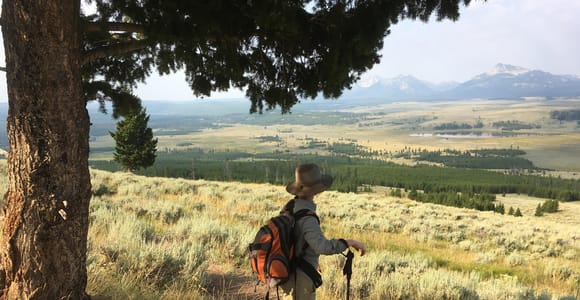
point(502, 81)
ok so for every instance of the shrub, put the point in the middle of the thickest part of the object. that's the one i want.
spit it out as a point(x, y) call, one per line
point(515, 259)
point(570, 254)
point(558, 272)
point(101, 189)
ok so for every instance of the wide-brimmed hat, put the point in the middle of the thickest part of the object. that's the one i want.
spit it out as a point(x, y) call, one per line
point(309, 181)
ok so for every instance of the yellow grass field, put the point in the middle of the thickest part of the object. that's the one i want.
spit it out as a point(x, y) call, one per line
point(159, 238)
point(416, 251)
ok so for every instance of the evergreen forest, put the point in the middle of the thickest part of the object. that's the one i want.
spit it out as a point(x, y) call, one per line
point(460, 187)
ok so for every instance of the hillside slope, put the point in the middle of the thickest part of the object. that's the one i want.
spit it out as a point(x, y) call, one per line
point(154, 238)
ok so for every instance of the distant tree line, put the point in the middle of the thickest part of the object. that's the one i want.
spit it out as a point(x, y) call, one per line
point(352, 173)
point(498, 152)
point(482, 202)
point(477, 162)
point(474, 159)
point(312, 143)
point(458, 126)
point(513, 125)
point(565, 115)
point(268, 139)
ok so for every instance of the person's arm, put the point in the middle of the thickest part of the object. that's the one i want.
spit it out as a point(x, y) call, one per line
point(315, 238)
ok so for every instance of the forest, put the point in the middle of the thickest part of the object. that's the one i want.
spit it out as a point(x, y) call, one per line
point(351, 174)
point(565, 115)
point(474, 159)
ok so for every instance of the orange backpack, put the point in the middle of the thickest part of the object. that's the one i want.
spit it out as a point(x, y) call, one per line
point(272, 252)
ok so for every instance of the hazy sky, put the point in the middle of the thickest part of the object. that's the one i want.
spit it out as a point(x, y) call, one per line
point(535, 34)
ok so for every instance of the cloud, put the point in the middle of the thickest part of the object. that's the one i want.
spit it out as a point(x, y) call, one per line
point(536, 34)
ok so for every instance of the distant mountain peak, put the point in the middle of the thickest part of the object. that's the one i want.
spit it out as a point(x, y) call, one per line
point(506, 69)
point(503, 81)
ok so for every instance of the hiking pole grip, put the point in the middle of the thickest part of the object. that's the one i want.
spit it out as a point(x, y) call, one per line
point(347, 270)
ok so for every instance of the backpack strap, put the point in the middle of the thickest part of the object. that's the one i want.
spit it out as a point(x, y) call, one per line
point(303, 213)
point(310, 271)
point(301, 263)
point(288, 208)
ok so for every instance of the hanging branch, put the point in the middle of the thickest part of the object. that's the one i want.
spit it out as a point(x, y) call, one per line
point(116, 49)
point(113, 26)
point(113, 50)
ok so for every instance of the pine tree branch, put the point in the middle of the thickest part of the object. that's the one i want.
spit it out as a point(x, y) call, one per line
point(113, 26)
point(113, 50)
point(3, 69)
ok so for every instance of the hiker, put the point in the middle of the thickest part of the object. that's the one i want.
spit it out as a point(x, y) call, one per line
point(310, 240)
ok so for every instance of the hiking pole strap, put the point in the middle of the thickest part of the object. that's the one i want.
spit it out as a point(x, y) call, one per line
point(347, 270)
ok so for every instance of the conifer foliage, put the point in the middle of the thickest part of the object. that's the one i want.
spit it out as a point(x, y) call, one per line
point(135, 146)
point(549, 206)
point(278, 51)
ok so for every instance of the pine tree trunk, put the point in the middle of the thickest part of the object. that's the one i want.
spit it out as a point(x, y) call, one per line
point(44, 234)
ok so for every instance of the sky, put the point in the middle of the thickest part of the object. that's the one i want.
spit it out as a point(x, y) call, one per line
point(534, 34)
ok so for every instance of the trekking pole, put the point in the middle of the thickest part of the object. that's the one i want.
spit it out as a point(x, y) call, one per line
point(347, 270)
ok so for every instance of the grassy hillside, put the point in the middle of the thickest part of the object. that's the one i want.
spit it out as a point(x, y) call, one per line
point(157, 238)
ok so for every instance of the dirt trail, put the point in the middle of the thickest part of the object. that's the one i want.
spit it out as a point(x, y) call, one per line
point(232, 284)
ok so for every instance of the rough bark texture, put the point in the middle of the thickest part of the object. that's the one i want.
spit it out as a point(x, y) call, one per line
point(44, 234)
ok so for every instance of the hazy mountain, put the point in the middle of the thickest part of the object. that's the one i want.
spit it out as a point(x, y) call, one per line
point(502, 81)
point(507, 81)
point(403, 87)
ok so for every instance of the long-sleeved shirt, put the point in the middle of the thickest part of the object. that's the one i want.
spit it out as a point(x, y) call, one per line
point(307, 230)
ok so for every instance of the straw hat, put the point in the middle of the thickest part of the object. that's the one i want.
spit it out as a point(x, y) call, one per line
point(309, 181)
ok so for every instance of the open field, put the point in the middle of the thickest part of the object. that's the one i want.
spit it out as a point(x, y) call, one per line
point(158, 238)
point(568, 213)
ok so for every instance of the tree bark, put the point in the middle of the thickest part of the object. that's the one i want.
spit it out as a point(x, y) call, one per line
point(44, 235)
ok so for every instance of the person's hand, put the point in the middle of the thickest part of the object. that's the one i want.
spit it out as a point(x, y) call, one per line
point(357, 246)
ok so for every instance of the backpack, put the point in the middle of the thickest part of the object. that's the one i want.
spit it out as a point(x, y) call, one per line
point(272, 251)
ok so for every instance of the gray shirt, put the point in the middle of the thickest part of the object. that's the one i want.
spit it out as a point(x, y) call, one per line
point(307, 230)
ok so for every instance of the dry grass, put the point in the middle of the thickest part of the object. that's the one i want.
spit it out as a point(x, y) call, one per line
point(415, 250)
point(569, 212)
point(156, 238)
